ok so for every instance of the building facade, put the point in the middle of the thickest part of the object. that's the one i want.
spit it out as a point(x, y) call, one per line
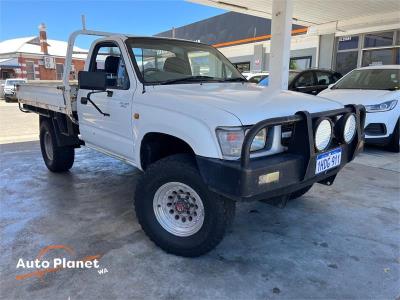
point(245, 41)
point(37, 58)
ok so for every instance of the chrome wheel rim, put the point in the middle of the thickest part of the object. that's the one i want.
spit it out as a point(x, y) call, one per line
point(178, 209)
point(48, 145)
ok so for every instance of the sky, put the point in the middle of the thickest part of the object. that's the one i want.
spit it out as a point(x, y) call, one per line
point(20, 18)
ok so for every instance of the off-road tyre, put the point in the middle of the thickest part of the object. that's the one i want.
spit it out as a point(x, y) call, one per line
point(57, 159)
point(181, 168)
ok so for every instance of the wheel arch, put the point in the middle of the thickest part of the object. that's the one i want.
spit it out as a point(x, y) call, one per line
point(157, 145)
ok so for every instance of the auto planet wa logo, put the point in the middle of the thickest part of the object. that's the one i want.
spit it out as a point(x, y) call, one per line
point(41, 266)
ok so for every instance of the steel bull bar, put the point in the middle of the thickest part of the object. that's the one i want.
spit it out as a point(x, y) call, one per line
point(294, 169)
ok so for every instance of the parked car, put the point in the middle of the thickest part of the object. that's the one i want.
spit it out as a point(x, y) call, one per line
point(10, 88)
point(255, 77)
point(311, 81)
point(377, 88)
point(204, 136)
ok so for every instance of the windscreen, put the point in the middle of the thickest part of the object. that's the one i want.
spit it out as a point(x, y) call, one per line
point(162, 61)
point(12, 82)
point(370, 79)
point(292, 75)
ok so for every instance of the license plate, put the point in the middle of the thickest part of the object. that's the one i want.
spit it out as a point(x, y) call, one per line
point(328, 160)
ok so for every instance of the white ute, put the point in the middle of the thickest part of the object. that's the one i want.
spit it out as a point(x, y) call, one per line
point(204, 137)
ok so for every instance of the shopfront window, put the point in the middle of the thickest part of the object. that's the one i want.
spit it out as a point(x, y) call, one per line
point(346, 61)
point(380, 39)
point(369, 49)
point(380, 57)
point(347, 42)
point(347, 53)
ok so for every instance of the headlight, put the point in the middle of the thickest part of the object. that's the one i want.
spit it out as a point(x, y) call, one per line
point(349, 130)
point(231, 141)
point(384, 106)
point(259, 140)
point(323, 134)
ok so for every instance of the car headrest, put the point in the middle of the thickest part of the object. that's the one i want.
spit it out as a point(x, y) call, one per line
point(111, 64)
point(177, 65)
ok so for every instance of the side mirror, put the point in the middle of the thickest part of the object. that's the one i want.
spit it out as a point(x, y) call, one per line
point(92, 80)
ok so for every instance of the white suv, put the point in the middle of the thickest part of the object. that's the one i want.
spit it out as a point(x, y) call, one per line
point(377, 88)
point(9, 88)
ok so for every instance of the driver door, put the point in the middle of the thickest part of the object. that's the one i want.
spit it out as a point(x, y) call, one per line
point(112, 134)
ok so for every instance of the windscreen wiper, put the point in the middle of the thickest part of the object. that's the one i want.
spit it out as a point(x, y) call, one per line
point(199, 78)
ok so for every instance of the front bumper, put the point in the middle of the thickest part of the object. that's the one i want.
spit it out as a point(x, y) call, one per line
point(10, 94)
point(387, 120)
point(240, 180)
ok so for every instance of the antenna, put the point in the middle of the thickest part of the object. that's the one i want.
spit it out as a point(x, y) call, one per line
point(83, 22)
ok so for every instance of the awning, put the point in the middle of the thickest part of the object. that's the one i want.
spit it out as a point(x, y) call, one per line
point(322, 16)
point(11, 63)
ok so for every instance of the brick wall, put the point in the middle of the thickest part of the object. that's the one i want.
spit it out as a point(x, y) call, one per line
point(41, 73)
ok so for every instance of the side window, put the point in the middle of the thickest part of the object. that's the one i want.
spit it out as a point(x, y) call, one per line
point(108, 59)
point(324, 78)
point(306, 79)
point(151, 60)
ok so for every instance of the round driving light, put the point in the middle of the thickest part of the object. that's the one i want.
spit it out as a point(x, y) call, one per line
point(349, 130)
point(323, 134)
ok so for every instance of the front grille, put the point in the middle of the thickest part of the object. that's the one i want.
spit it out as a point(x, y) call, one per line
point(375, 129)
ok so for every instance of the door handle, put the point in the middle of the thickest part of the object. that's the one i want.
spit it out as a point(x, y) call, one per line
point(84, 100)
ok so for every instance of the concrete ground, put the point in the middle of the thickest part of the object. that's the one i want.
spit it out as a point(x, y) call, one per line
point(16, 126)
point(337, 242)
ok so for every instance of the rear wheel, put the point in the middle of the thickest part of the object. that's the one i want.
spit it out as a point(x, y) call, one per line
point(176, 209)
point(56, 158)
point(394, 143)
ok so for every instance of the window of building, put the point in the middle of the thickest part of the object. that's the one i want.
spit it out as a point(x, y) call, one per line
point(380, 39)
point(59, 71)
point(30, 70)
point(348, 43)
point(347, 53)
point(300, 63)
point(380, 57)
point(242, 66)
point(107, 58)
point(346, 61)
point(384, 50)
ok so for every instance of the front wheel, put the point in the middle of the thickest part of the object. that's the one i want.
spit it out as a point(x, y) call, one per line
point(177, 210)
point(56, 158)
